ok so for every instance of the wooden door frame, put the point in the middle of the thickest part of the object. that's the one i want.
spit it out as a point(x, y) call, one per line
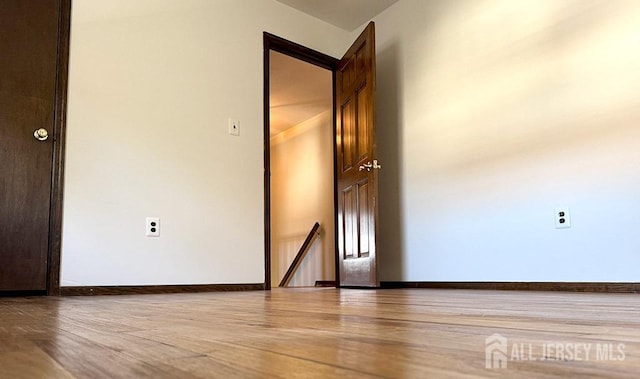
point(59, 135)
point(292, 49)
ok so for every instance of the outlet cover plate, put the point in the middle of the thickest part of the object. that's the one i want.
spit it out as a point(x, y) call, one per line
point(152, 227)
point(562, 217)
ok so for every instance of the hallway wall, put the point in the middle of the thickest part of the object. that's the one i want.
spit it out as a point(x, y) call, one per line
point(301, 194)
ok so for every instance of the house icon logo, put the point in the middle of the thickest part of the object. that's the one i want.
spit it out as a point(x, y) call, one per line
point(495, 351)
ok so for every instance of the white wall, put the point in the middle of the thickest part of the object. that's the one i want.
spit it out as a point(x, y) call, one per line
point(151, 85)
point(490, 114)
point(301, 194)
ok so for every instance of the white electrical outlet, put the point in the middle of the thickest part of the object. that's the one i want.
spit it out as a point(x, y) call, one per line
point(234, 127)
point(153, 227)
point(562, 218)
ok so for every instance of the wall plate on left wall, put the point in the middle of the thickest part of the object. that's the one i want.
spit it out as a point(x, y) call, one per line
point(234, 126)
point(152, 227)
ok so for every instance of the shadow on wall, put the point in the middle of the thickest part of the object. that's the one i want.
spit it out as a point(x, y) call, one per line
point(388, 129)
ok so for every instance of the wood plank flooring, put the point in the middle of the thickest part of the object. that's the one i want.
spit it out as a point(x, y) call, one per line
point(320, 333)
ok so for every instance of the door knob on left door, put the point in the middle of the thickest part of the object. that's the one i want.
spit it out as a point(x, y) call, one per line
point(41, 134)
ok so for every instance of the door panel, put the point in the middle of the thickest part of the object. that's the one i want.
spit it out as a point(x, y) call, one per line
point(363, 133)
point(364, 222)
point(28, 42)
point(348, 129)
point(356, 148)
point(351, 222)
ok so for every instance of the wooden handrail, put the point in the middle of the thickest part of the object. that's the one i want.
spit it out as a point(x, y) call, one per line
point(313, 233)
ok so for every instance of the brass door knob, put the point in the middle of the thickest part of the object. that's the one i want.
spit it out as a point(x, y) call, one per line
point(41, 134)
point(369, 166)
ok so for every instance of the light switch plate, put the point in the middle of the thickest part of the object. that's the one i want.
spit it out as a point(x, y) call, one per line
point(234, 127)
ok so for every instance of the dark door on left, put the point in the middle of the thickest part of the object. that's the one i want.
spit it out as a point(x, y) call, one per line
point(28, 58)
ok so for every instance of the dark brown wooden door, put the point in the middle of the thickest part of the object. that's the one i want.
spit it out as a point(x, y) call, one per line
point(28, 56)
point(356, 162)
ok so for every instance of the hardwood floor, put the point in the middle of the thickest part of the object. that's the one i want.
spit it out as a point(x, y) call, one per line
point(320, 332)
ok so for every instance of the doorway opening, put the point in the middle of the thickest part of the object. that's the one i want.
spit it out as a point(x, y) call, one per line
point(299, 163)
